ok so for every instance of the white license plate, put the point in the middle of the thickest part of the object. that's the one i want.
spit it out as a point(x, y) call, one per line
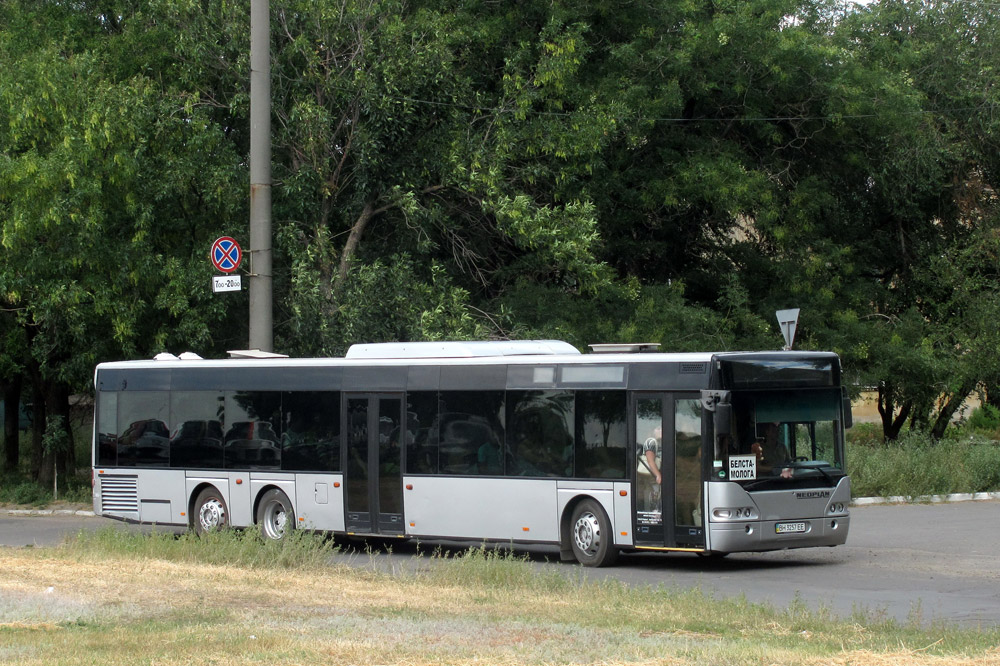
point(789, 528)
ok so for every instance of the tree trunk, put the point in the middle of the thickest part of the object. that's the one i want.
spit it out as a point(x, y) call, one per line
point(886, 408)
point(12, 422)
point(992, 392)
point(39, 470)
point(57, 414)
point(954, 401)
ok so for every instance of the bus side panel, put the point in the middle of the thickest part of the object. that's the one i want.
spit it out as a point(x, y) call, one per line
point(221, 482)
point(261, 480)
point(623, 514)
point(618, 507)
point(462, 507)
point(320, 502)
point(142, 495)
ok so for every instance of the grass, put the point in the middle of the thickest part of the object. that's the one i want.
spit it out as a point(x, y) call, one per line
point(915, 465)
point(122, 598)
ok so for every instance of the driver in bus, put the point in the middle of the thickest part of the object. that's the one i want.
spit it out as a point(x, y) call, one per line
point(771, 453)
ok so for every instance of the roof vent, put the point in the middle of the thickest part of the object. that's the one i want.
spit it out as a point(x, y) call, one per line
point(253, 353)
point(165, 356)
point(466, 349)
point(626, 348)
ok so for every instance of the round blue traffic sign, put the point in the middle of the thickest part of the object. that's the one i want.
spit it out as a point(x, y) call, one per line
point(226, 254)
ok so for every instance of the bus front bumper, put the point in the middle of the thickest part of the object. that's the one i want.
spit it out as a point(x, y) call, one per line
point(757, 535)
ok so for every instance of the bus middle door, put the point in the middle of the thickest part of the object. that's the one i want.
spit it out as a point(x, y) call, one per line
point(373, 469)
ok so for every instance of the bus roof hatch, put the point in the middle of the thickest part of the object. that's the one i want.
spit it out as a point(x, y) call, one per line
point(467, 349)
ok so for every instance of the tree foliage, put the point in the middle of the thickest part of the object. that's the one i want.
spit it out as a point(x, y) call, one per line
point(596, 171)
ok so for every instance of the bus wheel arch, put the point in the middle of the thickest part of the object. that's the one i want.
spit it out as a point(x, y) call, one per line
point(274, 513)
point(208, 511)
point(587, 535)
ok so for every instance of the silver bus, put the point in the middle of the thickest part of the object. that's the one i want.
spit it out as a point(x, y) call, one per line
point(523, 442)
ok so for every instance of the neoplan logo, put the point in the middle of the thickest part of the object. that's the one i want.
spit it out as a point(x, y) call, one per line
point(813, 494)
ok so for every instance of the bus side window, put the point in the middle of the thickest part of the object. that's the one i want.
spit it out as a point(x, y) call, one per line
point(310, 431)
point(467, 421)
point(422, 432)
point(601, 435)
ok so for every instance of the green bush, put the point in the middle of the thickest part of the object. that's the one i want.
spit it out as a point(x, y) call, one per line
point(916, 465)
point(27, 492)
point(985, 420)
point(865, 434)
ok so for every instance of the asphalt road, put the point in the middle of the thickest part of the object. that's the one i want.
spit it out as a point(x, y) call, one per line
point(924, 562)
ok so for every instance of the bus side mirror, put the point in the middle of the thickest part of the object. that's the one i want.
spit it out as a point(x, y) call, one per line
point(722, 419)
point(846, 400)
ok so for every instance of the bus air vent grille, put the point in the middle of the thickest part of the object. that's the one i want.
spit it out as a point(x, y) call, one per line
point(693, 368)
point(119, 493)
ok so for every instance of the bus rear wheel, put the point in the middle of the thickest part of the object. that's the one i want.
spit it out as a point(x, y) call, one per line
point(274, 515)
point(210, 511)
point(591, 538)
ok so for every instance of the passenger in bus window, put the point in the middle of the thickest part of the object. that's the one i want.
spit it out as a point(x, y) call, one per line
point(651, 452)
point(488, 458)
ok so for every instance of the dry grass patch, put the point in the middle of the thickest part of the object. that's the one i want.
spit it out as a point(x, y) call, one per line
point(200, 602)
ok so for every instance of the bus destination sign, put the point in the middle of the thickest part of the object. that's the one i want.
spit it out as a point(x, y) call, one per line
point(742, 468)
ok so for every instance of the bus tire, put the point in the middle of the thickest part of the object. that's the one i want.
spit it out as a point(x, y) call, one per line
point(275, 515)
point(210, 511)
point(591, 536)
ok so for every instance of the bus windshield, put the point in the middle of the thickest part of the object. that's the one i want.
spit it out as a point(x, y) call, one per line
point(778, 437)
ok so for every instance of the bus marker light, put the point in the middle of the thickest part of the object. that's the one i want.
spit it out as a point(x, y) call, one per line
point(525, 529)
point(623, 493)
point(413, 524)
point(302, 519)
point(239, 482)
point(336, 484)
point(409, 486)
point(624, 533)
point(183, 513)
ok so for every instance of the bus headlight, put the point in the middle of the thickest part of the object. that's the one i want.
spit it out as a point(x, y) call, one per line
point(734, 513)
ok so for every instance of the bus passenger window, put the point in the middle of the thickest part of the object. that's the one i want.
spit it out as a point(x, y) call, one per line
point(601, 435)
point(310, 431)
point(540, 440)
point(469, 421)
point(196, 430)
point(422, 436)
point(251, 441)
point(142, 426)
point(107, 428)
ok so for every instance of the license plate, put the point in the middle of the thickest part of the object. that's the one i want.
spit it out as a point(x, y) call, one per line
point(789, 528)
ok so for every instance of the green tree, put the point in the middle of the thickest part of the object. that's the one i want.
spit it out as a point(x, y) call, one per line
point(111, 189)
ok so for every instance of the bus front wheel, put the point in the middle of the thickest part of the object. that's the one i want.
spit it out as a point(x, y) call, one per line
point(210, 511)
point(274, 515)
point(591, 538)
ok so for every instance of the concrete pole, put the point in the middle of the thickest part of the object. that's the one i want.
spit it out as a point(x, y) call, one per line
point(261, 324)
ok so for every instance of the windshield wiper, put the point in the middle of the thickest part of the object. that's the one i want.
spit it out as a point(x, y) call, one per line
point(819, 468)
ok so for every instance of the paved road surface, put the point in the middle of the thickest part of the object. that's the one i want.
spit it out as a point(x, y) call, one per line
point(924, 562)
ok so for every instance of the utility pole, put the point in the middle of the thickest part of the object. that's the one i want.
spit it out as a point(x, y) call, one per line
point(261, 323)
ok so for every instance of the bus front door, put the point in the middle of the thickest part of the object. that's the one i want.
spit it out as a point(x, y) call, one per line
point(373, 469)
point(667, 512)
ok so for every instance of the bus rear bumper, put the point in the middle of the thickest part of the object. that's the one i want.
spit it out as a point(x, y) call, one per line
point(761, 535)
